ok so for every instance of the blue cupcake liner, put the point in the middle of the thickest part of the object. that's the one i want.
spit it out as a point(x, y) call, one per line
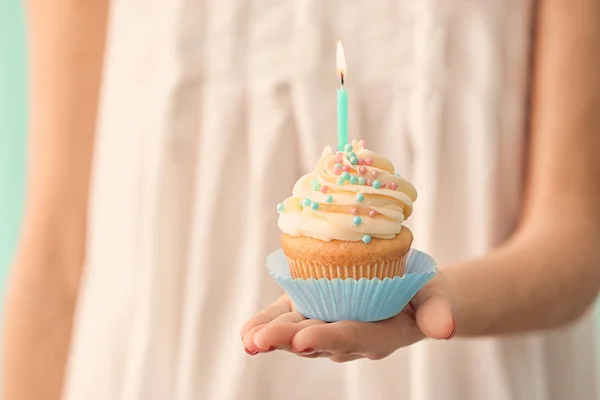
point(350, 299)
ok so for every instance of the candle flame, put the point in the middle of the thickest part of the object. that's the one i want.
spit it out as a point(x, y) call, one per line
point(341, 61)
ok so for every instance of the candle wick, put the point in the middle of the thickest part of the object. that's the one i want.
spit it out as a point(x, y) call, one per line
point(342, 78)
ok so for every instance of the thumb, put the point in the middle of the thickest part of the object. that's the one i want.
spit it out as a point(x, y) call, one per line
point(434, 310)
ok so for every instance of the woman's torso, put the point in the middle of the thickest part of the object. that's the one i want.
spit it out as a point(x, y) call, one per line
point(212, 109)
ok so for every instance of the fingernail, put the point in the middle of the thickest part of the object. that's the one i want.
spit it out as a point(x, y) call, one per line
point(307, 350)
point(270, 349)
point(252, 353)
point(453, 330)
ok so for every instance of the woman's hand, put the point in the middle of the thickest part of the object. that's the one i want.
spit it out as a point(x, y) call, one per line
point(281, 327)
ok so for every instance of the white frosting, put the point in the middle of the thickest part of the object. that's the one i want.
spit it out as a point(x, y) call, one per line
point(334, 220)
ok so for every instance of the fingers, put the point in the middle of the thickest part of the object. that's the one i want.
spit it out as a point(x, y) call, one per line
point(434, 309)
point(278, 307)
point(280, 335)
point(434, 318)
point(373, 340)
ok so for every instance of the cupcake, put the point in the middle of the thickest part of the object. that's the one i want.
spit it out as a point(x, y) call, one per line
point(345, 218)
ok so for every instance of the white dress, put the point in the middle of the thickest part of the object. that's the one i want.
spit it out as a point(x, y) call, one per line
point(212, 109)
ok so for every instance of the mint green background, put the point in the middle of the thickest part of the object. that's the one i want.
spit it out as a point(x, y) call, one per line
point(12, 132)
point(12, 128)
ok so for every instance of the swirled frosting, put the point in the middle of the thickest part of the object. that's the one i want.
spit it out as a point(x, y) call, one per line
point(351, 195)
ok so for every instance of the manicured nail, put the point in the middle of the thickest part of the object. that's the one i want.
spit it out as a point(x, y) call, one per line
point(307, 350)
point(453, 330)
point(252, 353)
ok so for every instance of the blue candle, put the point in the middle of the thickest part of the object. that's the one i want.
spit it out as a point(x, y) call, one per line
point(342, 100)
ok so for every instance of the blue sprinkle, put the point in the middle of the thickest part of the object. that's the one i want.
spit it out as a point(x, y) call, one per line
point(341, 181)
point(314, 205)
point(350, 155)
point(397, 174)
point(329, 199)
point(307, 202)
point(345, 176)
point(356, 221)
point(353, 179)
point(280, 207)
point(315, 185)
point(360, 197)
point(376, 184)
point(353, 160)
point(366, 239)
point(362, 180)
point(337, 165)
point(348, 147)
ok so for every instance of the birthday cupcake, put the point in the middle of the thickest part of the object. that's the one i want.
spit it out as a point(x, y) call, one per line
point(345, 219)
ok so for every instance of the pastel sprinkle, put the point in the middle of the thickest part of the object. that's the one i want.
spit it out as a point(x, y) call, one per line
point(368, 161)
point(397, 174)
point(307, 202)
point(348, 147)
point(353, 179)
point(351, 154)
point(337, 165)
point(329, 199)
point(280, 207)
point(362, 144)
point(362, 180)
point(315, 185)
point(366, 239)
point(376, 184)
point(337, 171)
point(345, 176)
point(372, 213)
point(360, 197)
point(362, 170)
point(393, 185)
point(324, 189)
point(383, 185)
point(346, 168)
point(356, 220)
point(361, 161)
point(314, 205)
point(369, 182)
point(339, 159)
point(373, 173)
point(354, 210)
point(353, 160)
point(341, 181)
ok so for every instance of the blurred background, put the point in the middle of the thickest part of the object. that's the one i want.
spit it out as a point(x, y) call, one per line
point(13, 133)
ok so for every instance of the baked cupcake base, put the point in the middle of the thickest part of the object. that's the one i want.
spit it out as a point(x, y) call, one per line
point(312, 258)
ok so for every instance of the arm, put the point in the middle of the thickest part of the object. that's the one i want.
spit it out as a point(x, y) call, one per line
point(66, 41)
point(549, 273)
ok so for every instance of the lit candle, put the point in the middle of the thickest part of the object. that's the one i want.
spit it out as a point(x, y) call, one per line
point(342, 100)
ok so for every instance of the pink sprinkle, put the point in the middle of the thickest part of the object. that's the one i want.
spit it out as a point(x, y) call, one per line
point(368, 161)
point(339, 159)
point(362, 170)
point(340, 153)
point(393, 185)
point(363, 144)
point(369, 182)
point(354, 210)
point(346, 168)
point(373, 173)
point(372, 213)
point(361, 161)
point(382, 186)
point(324, 189)
point(337, 171)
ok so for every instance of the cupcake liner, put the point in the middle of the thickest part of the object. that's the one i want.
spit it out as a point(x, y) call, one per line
point(350, 299)
point(307, 270)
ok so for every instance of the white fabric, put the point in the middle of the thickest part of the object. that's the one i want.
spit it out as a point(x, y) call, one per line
point(213, 108)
